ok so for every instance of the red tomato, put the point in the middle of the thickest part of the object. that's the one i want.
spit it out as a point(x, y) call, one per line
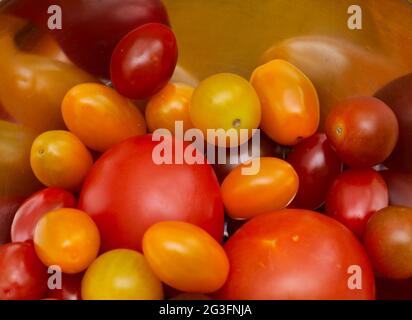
point(354, 196)
point(296, 254)
point(317, 166)
point(362, 130)
point(35, 207)
point(400, 187)
point(144, 61)
point(22, 276)
point(70, 289)
point(126, 192)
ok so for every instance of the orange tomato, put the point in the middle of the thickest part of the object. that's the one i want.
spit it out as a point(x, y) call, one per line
point(100, 116)
point(290, 104)
point(169, 105)
point(67, 238)
point(59, 159)
point(185, 257)
point(273, 187)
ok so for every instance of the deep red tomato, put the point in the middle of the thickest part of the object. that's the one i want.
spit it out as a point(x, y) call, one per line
point(126, 192)
point(91, 29)
point(22, 276)
point(35, 207)
point(144, 61)
point(70, 289)
point(296, 254)
point(398, 96)
point(400, 187)
point(354, 196)
point(362, 130)
point(317, 166)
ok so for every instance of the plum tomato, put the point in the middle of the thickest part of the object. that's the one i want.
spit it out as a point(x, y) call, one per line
point(144, 61)
point(290, 104)
point(355, 196)
point(70, 288)
point(272, 187)
point(317, 166)
point(126, 192)
point(22, 276)
point(398, 96)
point(362, 130)
point(195, 262)
point(400, 187)
point(169, 105)
point(296, 254)
point(35, 207)
point(121, 274)
point(225, 101)
point(100, 117)
point(388, 241)
point(59, 159)
point(67, 238)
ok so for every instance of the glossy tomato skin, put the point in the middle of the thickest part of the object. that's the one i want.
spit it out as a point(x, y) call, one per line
point(70, 289)
point(22, 276)
point(362, 130)
point(388, 241)
point(126, 192)
point(400, 187)
point(156, 47)
point(398, 95)
point(355, 196)
point(317, 166)
point(35, 207)
point(295, 254)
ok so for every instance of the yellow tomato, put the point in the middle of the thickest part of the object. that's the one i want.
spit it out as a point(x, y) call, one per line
point(290, 105)
point(121, 274)
point(67, 238)
point(100, 116)
point(59, 159)
point(169, 105)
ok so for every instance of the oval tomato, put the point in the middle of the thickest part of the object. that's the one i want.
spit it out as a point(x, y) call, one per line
point(296, 254)
point(126, 192)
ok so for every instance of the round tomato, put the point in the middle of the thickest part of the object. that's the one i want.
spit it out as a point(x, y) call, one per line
point(169, 105)
point(59, 159)
point(121, 274)
point(400, 187)
point(272, 186)
point(296, 254)
point(67, 238)
point(22, 276)
point(354, 196)
point(144, 61)
point(127, 191)
point(362, 130)
point(388, 241)
point(225, 101)
point(317, 166)
point(290, 104)
point(195, 261)
point(101, 117)
point(70, 288)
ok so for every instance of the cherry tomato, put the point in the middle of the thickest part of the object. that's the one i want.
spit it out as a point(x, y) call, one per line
point(70, 288)
point(400, 187)
point(169, 105)
point(354, 196)
point(290, 105)
point(296, 254)
point(121, 274)
point(362, 130)
point(143, 61)
point(67, 238)
point(317, 166)
point(272, 187)
point(22, 276)
point(35, 207)
point(196, 262)
point(126, 192)
point(59, 159)
point(388, 241)
point(398, 96)
point(225, 101)
point(101, 117)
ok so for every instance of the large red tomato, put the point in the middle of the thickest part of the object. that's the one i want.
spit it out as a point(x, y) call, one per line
point(126, 192)
point(296, 254)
